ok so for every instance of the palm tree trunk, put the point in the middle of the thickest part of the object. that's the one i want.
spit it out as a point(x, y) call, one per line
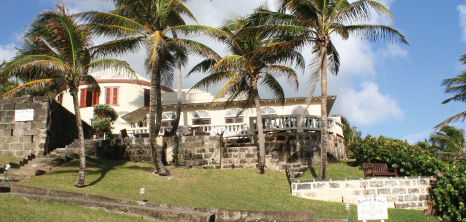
point(155, 119)
point(260, 131)
point(82, 155)
point(323, 113)
point(179, 93)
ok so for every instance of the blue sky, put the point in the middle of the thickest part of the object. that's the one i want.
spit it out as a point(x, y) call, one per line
point(384, 89)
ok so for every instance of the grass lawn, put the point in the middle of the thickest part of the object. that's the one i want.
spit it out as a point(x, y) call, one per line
point(19, 209)
point(340, 170)
point(6, 159)
point(234, 189)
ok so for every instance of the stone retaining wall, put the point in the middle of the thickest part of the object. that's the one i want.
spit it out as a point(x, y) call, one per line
point(217, 152)
point(53, 126)
point(401, 192)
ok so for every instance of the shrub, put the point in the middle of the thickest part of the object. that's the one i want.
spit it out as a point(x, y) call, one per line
point(104, 116)
point(411, 160)
point(450, 192)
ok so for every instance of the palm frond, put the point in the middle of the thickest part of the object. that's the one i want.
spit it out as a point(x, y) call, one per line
point(376, 33)
point(28, 86)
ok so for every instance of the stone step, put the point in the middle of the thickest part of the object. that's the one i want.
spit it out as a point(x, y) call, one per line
point(157, 213)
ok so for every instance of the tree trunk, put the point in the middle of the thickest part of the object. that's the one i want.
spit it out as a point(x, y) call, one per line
point(323, 112)
point(260, 131)
point(82, 155)
point(179, 93)
point(155, 119)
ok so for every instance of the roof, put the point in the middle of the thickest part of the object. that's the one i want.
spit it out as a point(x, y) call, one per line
point(142, 110)
point(112, 75)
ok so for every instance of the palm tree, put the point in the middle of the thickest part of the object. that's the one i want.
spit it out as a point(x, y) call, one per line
point(58, 53)
point(315, 23)
point(250, 63)
point(148, 23)
point(449, 143)
point(455, 85)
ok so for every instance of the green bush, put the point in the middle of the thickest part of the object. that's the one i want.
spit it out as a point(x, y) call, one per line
point(450, 193)
point(104, 111)
point(411, 160)
point(104, 116)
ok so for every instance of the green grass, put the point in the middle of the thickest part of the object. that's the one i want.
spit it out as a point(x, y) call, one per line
point(6, 159)
point(19, 209)
point(340, 170)
point(234, 189)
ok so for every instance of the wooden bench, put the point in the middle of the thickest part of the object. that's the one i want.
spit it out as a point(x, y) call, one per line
point(378, 169)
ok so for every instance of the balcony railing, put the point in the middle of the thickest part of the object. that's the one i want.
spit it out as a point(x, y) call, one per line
point(228, 130)
point(270, 124)
point(291, 123)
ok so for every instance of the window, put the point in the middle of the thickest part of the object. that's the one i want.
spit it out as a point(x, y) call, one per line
point(299, 110)
point(234, 116)
point(147, 97)
point(88, 98)
point(201, 118)
point(268, 111)
point(111, 95)
point(168, 119)
point(60, 98)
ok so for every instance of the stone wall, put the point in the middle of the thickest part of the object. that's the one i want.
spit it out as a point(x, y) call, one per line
point(217, 152)
point(401, 192)
point(52, 126)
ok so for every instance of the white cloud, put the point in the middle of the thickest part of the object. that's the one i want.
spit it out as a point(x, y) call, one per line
point(7, 52)
point(367, 106)
point(417, 137)
point(462, 14)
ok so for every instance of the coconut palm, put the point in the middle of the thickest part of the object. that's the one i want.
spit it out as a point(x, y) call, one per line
point(455, 86)
point(149, 24)
point(58, 52)
point(247, 66)
point(449, 143)
point(315, 23)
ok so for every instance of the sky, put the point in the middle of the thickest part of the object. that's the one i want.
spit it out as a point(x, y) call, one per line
point(382, 88)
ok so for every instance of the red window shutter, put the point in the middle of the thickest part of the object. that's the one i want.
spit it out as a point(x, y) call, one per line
point(115, 96)
point(95, 98)
point(107, 96)
point(146, 97)
point(82, 101)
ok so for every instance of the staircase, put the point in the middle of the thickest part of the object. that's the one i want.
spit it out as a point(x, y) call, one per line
point(33, 165)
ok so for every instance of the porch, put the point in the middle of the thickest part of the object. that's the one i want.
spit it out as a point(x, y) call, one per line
point(271, 123)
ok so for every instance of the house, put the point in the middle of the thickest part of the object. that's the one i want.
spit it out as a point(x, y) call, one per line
point(130, 98)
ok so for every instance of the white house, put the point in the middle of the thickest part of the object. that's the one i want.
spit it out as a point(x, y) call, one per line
point(130, 98)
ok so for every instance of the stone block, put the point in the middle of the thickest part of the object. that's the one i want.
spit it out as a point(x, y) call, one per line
point(16, 146)
point(349, 185)
point(391, 183)
point(305, 186)
point(10, 113)
point(364, 184)
point(376, 183)
point(25, 139)
point(334, 185)
point(413, 190)
point(310, 194)
point(423, 197)
point(369, 192)
point(18, 132)
point(31, 132)
point(383, 191)
point(32, 146)
point(356, 193)
point(11, 139)
point(319, 185)
point(399, 191)
point(405, 183)
point(411, 198)
point(423, 182)
point(8, 106)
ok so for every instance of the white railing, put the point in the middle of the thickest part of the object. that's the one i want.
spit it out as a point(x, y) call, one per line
point(290, 123)
point(270, 124)
point(229, 130)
